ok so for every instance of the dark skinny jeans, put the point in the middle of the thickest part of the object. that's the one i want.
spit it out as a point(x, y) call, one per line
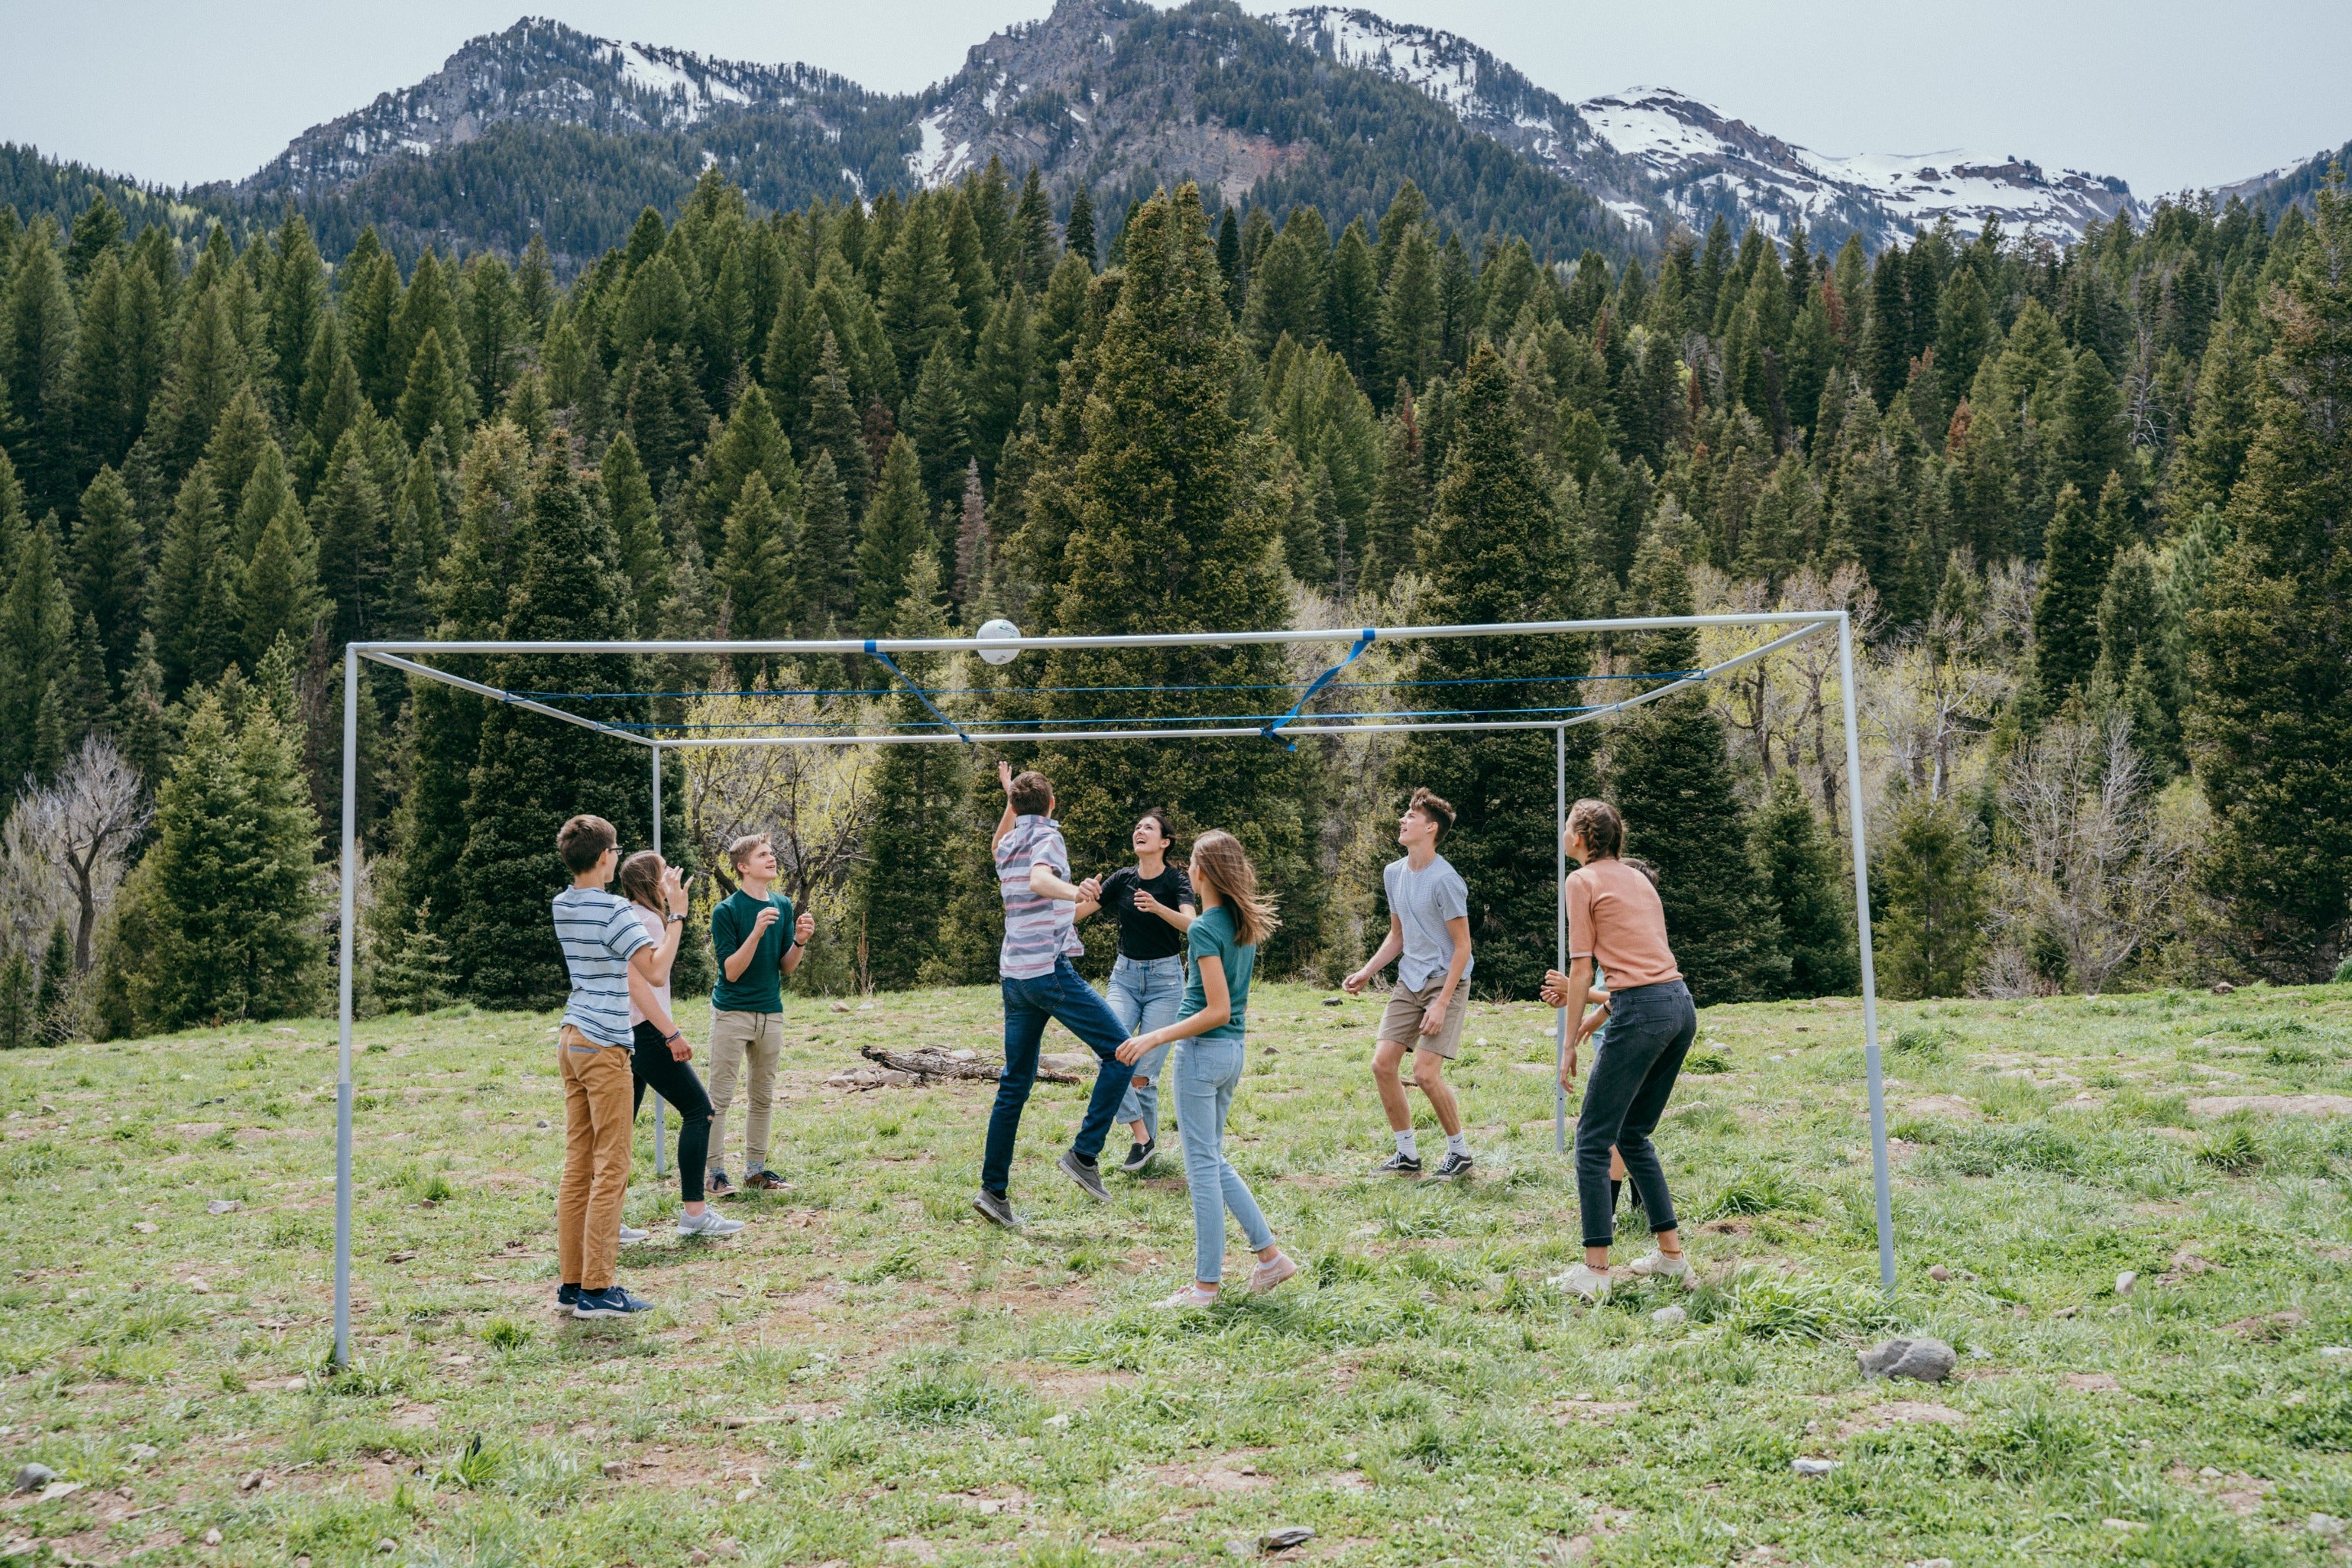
point(1649, 1032)
point(654, 1068)
point(1059, 995)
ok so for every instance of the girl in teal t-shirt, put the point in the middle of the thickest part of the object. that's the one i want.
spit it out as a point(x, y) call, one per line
point(1234, 918)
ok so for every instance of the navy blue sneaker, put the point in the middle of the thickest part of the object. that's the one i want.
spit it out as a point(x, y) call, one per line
point(566, 1298)
point(609, 1302)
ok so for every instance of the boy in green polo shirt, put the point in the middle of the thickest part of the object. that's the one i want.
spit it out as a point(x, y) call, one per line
point(747, 1005)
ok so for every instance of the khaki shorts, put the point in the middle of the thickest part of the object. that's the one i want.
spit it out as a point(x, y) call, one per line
point(1400, 1022)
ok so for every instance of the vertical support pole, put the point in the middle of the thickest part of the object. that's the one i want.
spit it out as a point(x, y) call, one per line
point(1879, 1175)
point(661, 1123)
point(1559, 932)
point(343, 1008)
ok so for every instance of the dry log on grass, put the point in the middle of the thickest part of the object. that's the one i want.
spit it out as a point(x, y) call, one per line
point(929, 1063)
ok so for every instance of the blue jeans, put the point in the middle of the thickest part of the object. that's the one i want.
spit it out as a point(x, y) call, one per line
point(1204, 1080)
point(1145, 993)
point(1060, 996)
point(1649, 1032)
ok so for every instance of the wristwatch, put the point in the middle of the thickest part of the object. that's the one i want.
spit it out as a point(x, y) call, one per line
point(672, 919)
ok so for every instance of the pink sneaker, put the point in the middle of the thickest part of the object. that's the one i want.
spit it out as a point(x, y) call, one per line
point(1272, 1272)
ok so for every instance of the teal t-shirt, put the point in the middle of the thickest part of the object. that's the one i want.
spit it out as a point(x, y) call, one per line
point(1211, 936)
point(761, 987)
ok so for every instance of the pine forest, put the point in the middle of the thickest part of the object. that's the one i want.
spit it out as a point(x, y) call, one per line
point(2086, 503)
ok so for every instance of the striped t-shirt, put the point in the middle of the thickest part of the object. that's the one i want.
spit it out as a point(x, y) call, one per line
point(1037, 929)
point(599, 933)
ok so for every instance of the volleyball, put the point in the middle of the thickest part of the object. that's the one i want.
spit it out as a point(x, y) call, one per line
point(996, 631)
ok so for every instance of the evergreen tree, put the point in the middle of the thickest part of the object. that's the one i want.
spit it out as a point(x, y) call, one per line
point(16, 1014)
point(138, 723)
point(755, 571)
point(1078, 234)
point(1671, 778)
point(918, 299)
point(1805, 885)
point(435, 395)
point(1412, 324)
point(751, 441)
point(1402, 505)
point(1170, 523)
point(1927, 888)
point(636, 529)
point(227, 885)
point(2092, 439)
point(279, 595)
point(530, 772)
point(1352, 303)
point(896, 529)
point(824, 573)
point(935, 420)
point(2074, 567)
point(193, 606)
point(110, 568)
point(53, 1002)
point(36, 623)
point(918, 798)
point(352, 535)
point(419, 536)
point(2272, 726)
point(1003, 376)
point(37, 340)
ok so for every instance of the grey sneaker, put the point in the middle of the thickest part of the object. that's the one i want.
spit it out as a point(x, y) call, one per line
point(709, 1221)
point(997, 1209)
point(631, 1236)
point(1088, 1176)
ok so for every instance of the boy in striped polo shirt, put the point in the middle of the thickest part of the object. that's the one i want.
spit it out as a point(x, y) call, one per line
point(1033, 869)
point(610, 958)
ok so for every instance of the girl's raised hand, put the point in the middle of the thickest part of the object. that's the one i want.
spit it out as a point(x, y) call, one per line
point(1133, 1051)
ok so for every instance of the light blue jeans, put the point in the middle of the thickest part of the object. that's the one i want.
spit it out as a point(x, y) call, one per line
point(1206, 1076)
point(1145, 994)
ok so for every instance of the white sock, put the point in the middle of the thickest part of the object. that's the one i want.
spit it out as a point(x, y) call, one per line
point(1406, 1146)
point(1458, 1143)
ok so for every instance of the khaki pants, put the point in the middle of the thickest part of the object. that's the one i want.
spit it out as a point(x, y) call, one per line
point(597, 1108)
point(736, 1040)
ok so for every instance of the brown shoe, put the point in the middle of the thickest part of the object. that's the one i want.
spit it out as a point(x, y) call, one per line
point(766, 1182)
point(718, 1187)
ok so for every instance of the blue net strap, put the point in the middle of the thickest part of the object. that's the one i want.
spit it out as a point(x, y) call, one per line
point(1363, 641)
point(920, 695)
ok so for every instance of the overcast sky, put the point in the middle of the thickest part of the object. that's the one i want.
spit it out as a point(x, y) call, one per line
point(2166, 93)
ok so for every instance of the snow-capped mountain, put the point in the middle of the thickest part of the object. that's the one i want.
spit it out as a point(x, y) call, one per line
point(1657, 155)
point(543, 72)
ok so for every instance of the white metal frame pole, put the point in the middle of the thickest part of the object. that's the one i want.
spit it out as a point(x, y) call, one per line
point(661, 1127)
point(1879, 1175)
point(344, 1009)
point(1559, 933)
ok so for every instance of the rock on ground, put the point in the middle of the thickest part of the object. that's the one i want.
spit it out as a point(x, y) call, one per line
point(1923, 1360)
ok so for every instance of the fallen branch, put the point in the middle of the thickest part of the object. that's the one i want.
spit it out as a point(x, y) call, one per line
point(929, 1063)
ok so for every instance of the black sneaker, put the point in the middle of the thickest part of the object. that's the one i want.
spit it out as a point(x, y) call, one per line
point(997, 1210)
point(1139, 1155)
point(609, 1302)
point(566, 1298)
point(1399, 1165)
point(1085, 1174)
point(1452, 1165)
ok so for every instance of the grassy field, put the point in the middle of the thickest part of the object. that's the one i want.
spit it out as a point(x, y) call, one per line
point(867, 1375)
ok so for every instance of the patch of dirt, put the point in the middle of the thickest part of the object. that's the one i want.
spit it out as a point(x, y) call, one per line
point(1950, 1105)
point(2092, 1383)
point(1901, 1411)
point(1229, 1473)
point(1725, 1227)
point(2272, 1104)
point(2269, 1325)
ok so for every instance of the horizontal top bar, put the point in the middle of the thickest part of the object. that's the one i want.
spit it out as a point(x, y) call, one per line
point(1146, 639)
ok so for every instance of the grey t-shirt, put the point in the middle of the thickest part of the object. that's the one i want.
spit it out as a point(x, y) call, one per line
point(1422, 901)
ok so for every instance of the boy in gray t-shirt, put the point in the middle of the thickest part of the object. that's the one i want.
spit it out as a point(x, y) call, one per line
point(1429, 940)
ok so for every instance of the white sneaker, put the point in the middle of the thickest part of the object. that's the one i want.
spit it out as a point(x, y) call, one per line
point(631, 1236)
point(1658, 1266)
point(1191, 1297)
point(709, 1221)
point(1581, 1280)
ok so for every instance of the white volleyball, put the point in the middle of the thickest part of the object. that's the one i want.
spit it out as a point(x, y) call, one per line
point(996, 631)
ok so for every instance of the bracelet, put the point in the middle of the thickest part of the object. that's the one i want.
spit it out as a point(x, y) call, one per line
point(675, 1035)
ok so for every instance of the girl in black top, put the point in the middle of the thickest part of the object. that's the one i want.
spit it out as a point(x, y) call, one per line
point(1152, 901)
